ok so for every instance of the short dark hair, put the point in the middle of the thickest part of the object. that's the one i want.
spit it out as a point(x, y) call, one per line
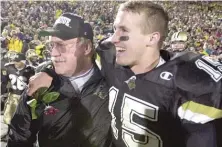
point(156, 19)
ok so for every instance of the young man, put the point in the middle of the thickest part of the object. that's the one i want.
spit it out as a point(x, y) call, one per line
point(82, 117)
point(157, 99)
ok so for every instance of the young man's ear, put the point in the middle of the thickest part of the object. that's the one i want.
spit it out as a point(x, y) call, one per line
point(153, 39)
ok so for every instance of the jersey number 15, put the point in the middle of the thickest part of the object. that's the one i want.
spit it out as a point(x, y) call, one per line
point(131, 107)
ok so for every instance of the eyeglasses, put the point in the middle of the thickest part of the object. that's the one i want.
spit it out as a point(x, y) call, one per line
point(59, 46)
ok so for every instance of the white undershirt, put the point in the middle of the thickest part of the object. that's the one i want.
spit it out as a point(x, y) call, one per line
point(161, 62)
point(79, 81)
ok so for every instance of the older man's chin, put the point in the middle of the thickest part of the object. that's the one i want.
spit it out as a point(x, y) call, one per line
point(58, 70)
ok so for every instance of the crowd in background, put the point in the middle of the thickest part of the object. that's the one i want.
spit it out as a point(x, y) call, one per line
point(22, 20)
point(201, 20)
point(198, 23)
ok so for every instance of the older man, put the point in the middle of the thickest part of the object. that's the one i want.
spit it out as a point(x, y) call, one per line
point(81, 117)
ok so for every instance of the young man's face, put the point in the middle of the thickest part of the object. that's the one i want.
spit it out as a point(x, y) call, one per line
point(128, 26)
point(67, 56)
point(19, 65)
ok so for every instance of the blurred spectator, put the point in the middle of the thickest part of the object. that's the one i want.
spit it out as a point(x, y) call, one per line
point(201, 20)
point(15, 42)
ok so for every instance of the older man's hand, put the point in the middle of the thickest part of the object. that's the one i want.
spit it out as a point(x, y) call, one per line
point(37, 81)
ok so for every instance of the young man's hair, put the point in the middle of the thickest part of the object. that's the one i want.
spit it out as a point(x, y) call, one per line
point(155, 18)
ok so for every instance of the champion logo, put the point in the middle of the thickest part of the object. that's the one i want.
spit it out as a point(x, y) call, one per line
point(166, 75)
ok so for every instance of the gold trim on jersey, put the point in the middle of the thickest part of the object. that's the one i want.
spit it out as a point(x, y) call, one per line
point(198, 113)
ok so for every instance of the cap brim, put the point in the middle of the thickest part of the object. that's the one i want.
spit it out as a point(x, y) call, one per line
point(49, 32)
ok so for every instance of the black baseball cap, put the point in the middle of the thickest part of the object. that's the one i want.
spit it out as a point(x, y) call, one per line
point(20, 57)
point(69, 26)
point(17, 57)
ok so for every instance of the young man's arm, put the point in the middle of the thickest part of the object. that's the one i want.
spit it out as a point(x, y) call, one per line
point(203, 135)
point(107, 55)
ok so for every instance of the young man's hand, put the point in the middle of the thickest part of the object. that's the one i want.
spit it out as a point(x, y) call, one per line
point(37, 81)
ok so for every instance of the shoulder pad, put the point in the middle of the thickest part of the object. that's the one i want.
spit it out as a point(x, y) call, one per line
point(184, 56)
point(30, 67)
point(40, 67)
point(166, 55)
point(198, 74)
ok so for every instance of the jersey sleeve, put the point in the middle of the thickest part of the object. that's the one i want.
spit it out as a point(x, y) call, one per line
point(44, 65)
point(199, 86)
point(106, 56)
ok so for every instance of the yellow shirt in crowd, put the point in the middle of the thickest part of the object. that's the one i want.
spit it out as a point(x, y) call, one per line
point(15, 45)
point(39, 49)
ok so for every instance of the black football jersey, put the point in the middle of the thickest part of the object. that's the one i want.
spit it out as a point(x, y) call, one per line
point(155, 109)
point(18, 78)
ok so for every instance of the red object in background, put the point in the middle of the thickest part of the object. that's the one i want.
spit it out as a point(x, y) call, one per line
point(50, 110)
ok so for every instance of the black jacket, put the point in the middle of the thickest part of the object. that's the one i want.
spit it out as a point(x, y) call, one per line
point(83, 119)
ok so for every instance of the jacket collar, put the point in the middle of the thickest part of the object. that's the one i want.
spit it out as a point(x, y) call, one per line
point(65, 86)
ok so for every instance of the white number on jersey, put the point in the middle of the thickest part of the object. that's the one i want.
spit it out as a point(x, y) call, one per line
point(132, 106)
point(216, 74)
point(18, 82)
point(113, 92)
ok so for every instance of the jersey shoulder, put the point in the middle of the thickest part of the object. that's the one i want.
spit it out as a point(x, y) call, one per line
point(198, 74)
point(10, 68)
point(198, 82)
point(29, 70)
point(166, 73)
point(42, 66)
